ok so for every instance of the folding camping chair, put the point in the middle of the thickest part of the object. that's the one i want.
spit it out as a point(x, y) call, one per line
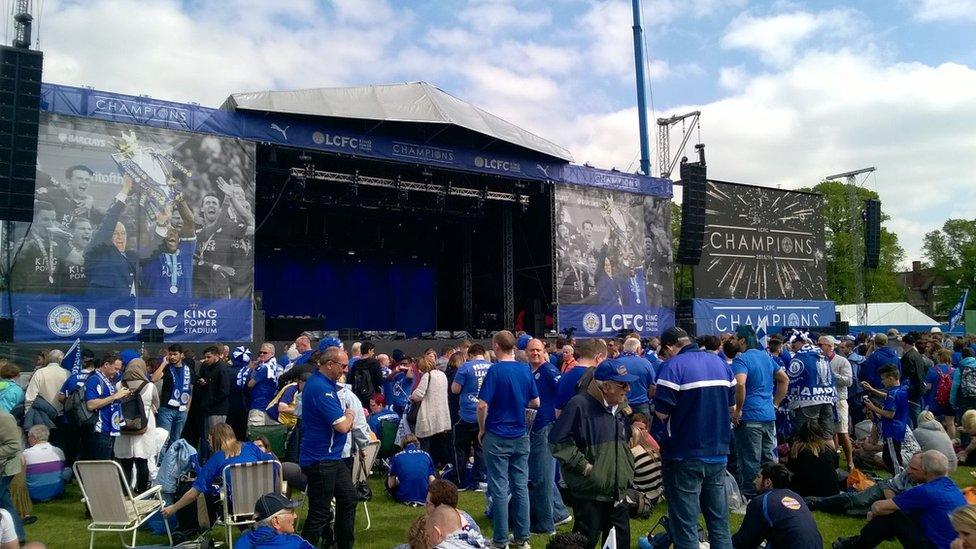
point(388, 432)
point(111, 504)
point(361, 469)
point(244, 484)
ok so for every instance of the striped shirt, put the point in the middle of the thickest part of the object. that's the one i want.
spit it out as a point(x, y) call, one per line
point(647, 473)
point(45, 466)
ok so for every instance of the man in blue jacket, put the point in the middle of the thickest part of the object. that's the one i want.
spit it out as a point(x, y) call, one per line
point(274, 527)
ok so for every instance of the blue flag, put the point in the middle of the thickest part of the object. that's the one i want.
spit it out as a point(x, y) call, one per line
point(955, 315)
point(72, 358)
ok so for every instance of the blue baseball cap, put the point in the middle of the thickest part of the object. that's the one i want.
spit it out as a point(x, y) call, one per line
point(612, 369)
point(523, 342)
point(127, 355)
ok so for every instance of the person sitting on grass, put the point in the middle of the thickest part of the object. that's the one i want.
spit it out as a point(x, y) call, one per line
point(443, 492)
point(227, 451)
point(893, 414)
point(777, 515)
point(968, 455)
point(444, 531)
point(963, 520)
point(918, 517)
point(813, 463)
point(858, 503)
point(274, 525)
point(411, 472)
point(931, 435)
point(378, 413)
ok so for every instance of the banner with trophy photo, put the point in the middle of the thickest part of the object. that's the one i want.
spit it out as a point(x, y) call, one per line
point(134, 227)
point(613, 262)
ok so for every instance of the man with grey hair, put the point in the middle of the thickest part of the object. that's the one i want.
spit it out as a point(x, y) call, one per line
point(46, 473)
point(843, 378)
point(274, 525)
point(917, 517)
point(642, 388)
point(46, 382)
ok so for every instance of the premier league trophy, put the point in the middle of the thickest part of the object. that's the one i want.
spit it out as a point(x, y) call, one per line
point(150, 170)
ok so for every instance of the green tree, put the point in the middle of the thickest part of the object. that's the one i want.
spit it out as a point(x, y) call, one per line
point(880, 284)
point(951, 253)
point(682, 273)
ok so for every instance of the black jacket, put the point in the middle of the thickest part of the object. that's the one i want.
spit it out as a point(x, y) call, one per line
point(213, 397)
point(913, 371)
point(782, 519)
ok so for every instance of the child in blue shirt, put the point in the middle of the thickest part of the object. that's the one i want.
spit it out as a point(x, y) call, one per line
point(893, 415)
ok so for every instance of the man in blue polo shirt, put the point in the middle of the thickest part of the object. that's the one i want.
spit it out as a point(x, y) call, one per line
point(260, 385)
point(545, 503)
point(325, 426)
point(411, 472)
point(917, 517)
point(102, 397)
point(507, 390)
point(692, 407)
point(466, 384)
point(591, 352)
point(642, 388)
point(755, 407)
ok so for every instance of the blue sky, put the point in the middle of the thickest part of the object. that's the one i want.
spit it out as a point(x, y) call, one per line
point(790, 91)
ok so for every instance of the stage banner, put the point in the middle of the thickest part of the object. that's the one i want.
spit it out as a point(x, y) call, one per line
point(134, 227)
point(717, 316)
point(613, 262)
point(761, 243)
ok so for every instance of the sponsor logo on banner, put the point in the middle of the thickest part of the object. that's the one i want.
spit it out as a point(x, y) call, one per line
point(139, 111)
point(64, 320)
point(597, 323)
point(423, 152)
point(86, 140)
point(282, 131)
point(342, 141)
point(497, 164)
point(591, 323)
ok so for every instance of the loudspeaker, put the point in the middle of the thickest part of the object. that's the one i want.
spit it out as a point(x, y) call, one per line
point(872, 233)
point(151, 335)
point(841, 327)
point(6, 330)
point(684, 316)
point(20, 101)
point(692, 213)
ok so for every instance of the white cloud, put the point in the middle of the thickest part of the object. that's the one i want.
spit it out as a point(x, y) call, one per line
point(944, 10)
point(496, 15)
point(776, 38)
point(732, 78)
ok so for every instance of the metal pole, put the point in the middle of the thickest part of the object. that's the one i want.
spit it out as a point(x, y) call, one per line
point(508, 271)
point(645, 147)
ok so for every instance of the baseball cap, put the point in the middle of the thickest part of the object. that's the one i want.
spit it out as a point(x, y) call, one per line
point(829, 339)
point(893, 332)
point(612, 369)
point(935, 330)
point(397, 356)
point(523, 342)
point(672, 335)
point(269, 504)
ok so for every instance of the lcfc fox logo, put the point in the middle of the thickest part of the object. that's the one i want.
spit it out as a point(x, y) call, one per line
point(64, 320)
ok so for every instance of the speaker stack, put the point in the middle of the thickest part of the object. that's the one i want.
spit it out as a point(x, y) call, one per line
point(20, 101)
point(872, 233)
point(693, 175)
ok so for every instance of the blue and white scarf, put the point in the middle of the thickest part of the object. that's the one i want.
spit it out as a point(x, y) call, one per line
point(181, 387)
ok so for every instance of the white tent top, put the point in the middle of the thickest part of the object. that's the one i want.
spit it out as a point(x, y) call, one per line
point(411, 102)
point(887, 314)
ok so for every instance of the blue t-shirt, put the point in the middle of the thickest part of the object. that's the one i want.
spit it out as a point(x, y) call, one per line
point(413, 468)
point(759, 369)
point(109, 416)
point(287, 396)
point(264, 388)
point(75, 381)
point(546, 379)
point(930, 504)
point(320, 410)
point(640, 367)
point(165, 272)
point(470, 376)
point(399, 391)
point(208, 479)
point(374, 420)
point(897, 401)
point(507, 388)
point(567, 385)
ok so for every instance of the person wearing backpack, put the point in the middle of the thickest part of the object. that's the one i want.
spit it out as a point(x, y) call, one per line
point(938, 387)
point(134, 446)
point(72, 433)
point(102, 397)
point(963, 394)
point(366, 375)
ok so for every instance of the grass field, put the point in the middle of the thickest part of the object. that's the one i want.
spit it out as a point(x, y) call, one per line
point(62, 523)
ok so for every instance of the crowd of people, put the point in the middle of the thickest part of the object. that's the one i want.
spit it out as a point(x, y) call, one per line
point(590, 432)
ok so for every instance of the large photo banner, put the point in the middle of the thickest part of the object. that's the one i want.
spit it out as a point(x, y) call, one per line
point(134, 227)
point(761, 243)
point(613, 262)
